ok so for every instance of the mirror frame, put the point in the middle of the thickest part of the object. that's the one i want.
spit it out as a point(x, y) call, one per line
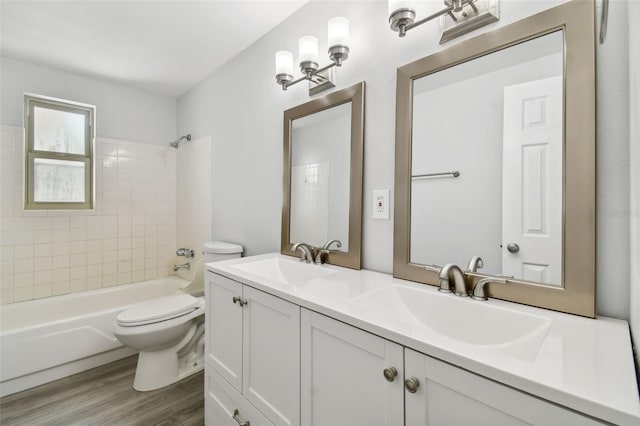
point(577, 293)
point(355, 95)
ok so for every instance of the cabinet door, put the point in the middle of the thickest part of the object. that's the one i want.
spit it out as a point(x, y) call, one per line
point(222, 403)
point(342, 375)
point(447, 395)
point(224, 328)
point(271, 361)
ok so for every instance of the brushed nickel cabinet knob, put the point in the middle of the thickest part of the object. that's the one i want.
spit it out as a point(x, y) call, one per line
point(412, 384)
point(390, 374)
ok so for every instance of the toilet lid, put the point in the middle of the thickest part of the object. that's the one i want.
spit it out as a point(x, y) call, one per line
point(160, 309)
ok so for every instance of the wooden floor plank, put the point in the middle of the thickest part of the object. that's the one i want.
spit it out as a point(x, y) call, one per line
point(105, 396)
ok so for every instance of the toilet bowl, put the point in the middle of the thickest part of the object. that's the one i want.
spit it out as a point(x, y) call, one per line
point(169, 333)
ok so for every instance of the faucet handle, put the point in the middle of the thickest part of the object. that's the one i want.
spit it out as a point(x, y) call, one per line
point(479, 292)
point(185, 252)
point(319, 254)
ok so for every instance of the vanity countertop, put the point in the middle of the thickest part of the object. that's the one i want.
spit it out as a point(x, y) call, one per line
point(577, 362)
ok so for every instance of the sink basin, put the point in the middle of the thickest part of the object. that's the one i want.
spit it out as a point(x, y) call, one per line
point(284, 271)
point(496, 328)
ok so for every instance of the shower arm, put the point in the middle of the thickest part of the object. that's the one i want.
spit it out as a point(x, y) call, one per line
point(176, 143)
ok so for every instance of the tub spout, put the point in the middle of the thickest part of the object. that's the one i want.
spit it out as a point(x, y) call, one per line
point(186, 266)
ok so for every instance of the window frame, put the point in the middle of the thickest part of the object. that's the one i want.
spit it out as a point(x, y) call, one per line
point(32, 101)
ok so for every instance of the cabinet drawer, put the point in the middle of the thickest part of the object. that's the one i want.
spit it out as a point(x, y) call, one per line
point(222, 400)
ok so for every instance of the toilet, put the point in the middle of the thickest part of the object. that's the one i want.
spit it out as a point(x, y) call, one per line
point(168, 331)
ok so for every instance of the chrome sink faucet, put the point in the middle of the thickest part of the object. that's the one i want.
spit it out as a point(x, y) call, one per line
point(306, 251)
point(445, 274)
point(325, 250)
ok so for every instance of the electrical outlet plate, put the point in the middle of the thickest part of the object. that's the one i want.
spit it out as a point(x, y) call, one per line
point(380, 204)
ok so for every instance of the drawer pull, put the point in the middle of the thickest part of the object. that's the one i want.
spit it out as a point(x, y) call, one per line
point(236, 417)
point(390, 374)
point(412, 385)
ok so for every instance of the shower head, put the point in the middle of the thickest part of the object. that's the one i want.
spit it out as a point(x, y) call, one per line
point(176, 143)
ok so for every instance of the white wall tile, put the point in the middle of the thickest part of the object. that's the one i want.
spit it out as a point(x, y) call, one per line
point(40, 291)
point(42, 250)
point(42, 277)
point(23, 252)
point(43, 263)
point(23, 265)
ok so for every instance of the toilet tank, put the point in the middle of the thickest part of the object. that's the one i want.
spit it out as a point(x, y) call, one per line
point(215, 251)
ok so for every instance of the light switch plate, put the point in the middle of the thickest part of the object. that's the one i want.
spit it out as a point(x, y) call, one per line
point(380, 204)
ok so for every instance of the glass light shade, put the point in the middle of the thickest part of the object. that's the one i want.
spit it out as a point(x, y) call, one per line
point(338, 31)
point(401, 4)
point(284, 62)
point(308, 46)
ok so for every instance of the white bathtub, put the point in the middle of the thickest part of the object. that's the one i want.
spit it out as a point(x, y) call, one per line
point(46, 339)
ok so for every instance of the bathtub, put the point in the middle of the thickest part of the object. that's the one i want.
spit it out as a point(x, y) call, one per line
point(47, 339)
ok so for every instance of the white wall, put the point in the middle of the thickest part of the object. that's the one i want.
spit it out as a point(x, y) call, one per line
point(634, 145)
point(612, 123)
point(241, 106)
point(121, 112)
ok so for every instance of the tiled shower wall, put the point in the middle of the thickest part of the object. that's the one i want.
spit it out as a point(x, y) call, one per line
point(129, 237)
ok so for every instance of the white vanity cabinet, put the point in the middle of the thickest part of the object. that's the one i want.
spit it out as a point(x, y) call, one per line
point(448, 395)
point(253, 345)
point(343, 375)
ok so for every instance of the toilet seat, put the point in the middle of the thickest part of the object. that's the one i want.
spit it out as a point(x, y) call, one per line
point(158, 310)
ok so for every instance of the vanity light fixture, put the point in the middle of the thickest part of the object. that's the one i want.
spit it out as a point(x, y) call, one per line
point(319, 78)
point(458, 17)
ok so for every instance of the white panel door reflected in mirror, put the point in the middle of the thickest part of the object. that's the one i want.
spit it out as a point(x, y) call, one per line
point(498, 120)
point(320, 173)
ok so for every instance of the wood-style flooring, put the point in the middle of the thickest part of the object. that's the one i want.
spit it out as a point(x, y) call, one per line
point(105, 396)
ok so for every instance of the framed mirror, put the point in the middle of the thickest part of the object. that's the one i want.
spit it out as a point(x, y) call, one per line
point(322, 179)
point(495, 157)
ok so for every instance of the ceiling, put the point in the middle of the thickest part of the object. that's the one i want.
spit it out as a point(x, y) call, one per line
point(161, 46)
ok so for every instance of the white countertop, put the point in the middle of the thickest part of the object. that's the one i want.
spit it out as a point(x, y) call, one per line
point(582, 363)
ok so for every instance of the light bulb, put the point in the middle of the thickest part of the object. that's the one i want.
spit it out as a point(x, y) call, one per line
point(338, 32)
point(284, 62)
point(308, 46)
point(401, 4)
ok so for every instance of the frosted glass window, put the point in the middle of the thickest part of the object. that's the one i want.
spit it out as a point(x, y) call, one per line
point(59, 131)
point(59, 181)
point(59, 154)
